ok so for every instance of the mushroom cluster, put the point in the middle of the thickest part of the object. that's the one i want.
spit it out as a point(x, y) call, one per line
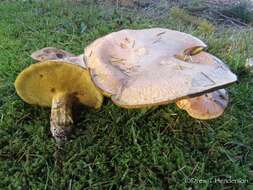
point(135, 68)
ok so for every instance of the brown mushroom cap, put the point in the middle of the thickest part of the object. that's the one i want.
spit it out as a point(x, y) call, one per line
point(139, 68)
point(207, 106)
point(210, 105)
point(51, 53)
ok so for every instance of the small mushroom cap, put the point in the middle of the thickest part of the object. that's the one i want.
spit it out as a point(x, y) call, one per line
point(139, 68)
point(207, 106)
point(210, 105)
point(50, 53)
point(38, 84)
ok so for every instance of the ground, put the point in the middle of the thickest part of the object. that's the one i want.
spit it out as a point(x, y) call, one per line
point(114, 148)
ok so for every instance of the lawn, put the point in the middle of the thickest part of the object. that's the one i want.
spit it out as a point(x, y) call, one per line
point(114, 148)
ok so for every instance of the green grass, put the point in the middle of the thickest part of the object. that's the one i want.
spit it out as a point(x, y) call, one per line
point(115, 148)
point(242, 11)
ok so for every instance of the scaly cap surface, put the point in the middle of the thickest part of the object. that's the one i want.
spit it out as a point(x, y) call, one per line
point(139, 68)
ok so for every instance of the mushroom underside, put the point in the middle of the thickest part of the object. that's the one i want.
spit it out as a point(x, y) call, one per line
point(58, 84)
point(207, 106)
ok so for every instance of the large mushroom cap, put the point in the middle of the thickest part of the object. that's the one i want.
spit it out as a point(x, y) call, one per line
point(39, 83)
point(139, 68)
point(207, 106)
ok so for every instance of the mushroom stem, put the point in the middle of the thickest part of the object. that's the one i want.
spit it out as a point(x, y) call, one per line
point(61, 121)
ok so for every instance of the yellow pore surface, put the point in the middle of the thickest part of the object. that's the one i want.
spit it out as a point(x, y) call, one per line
point(40, 82)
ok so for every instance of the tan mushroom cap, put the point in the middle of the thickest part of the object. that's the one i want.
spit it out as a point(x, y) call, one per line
point(139, 68)
point(51, 53)
point(207, 106)
point(39, 83)
point(210, 105)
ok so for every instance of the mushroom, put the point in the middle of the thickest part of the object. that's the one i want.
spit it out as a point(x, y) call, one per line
point(207, 106)
point(210, 105)
point(51, 53)
point(59, 85)
point(140, 68)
